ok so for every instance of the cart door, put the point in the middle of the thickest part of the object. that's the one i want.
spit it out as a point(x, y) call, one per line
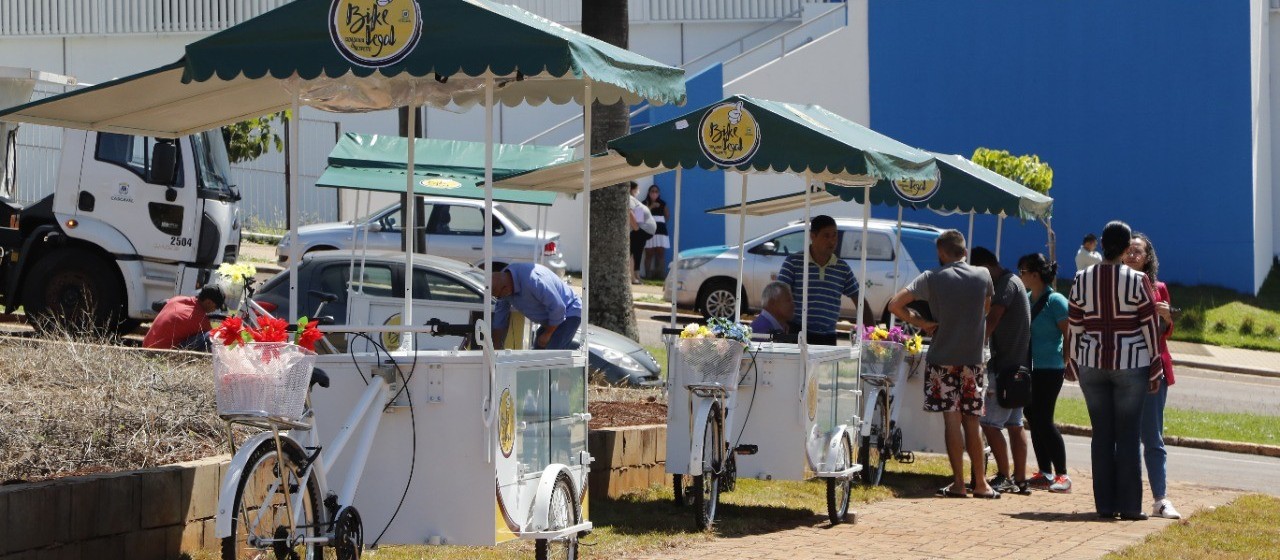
point(551, 421)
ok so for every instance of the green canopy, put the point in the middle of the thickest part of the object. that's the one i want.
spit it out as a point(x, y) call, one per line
point(451, 168)
point(749, 134)
point(418, 52)
point(964, 187)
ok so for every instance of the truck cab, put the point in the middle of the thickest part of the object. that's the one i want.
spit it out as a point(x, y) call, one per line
point(132, 219)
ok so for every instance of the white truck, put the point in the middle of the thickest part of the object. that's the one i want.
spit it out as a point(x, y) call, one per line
point(132, 220)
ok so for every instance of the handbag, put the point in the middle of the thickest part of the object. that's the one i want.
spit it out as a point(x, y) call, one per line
point(1013, 386)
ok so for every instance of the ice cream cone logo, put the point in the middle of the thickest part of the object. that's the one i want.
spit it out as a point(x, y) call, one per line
point(375, 33)
point(728, 134)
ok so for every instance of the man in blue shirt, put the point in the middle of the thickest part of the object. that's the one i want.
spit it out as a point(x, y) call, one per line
point(535, 291)
point(776, 310)
point(829, 279)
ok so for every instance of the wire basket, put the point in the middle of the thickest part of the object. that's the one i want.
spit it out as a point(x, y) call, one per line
point(713, 360)
point(881, 360)
point(262, 380)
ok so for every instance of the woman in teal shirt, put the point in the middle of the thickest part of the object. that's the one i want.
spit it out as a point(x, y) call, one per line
point(1048, 327)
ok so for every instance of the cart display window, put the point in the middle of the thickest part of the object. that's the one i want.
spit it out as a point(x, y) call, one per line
point(551, 426)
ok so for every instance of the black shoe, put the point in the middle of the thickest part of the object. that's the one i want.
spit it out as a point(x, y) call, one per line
point(1139, 516)
point(1003, 485)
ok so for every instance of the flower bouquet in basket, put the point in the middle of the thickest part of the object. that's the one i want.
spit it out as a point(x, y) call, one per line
point(884, 349)
point(714, 350)
point(264, 371)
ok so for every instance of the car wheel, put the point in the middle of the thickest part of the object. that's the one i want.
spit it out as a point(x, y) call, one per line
point(716, 299)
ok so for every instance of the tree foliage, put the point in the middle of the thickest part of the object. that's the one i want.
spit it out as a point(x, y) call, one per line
point(1027, 170)
point(249, 140)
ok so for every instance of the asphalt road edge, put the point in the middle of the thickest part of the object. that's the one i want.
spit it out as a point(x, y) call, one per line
point(1195, 443)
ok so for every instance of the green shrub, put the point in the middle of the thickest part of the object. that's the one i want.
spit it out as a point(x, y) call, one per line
point(1247, 326)
point(1191, 319)
point(1219, 327)
point(1269, 331)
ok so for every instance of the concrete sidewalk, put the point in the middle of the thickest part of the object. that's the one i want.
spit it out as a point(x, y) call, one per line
point(1042, 525)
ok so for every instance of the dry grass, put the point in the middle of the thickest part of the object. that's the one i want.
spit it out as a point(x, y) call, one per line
point(69, 406)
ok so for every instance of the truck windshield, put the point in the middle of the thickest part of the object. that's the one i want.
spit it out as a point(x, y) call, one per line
point(213, 168)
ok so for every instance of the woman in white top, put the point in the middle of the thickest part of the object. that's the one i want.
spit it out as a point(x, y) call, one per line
point(655, 250)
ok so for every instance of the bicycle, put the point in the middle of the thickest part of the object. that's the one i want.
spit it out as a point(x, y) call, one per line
point(880, 436)
point(275, 500)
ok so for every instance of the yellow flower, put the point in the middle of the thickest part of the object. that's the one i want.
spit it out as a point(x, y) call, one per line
point(237, 271)
point(915, 345)
point(880, 334)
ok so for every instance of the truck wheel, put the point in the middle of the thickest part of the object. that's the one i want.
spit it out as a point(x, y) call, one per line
point(74, 289)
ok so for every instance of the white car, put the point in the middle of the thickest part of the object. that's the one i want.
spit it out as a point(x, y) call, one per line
point(454, 230)
point(708, 275)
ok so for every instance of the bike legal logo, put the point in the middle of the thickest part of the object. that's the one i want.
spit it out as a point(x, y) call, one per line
point(728, 134)
point(391, 340)
point(375, 33)
point(506, 423)
point(811, 399)
point(917, 190)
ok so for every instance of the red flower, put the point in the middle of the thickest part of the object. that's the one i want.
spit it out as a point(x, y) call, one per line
point(309, 336)
point(229, 331)
point(270, 330)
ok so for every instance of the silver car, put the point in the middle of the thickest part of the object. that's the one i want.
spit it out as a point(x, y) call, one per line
point(454, 230)
point(708, 275)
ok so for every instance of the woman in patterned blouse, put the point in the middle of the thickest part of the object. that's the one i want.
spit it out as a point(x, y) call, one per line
point(1115, 355)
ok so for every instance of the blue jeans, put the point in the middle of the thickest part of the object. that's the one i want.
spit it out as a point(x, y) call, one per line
point(1153, 439)
point(1114, 398)
point(562, 339)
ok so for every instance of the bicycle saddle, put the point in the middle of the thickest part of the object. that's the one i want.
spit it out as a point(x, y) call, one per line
point(319, 377)
point(324, 296)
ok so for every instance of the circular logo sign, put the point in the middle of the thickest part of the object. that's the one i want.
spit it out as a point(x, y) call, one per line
point(391, 340)
point(375, 33)
point(447, 184)
point(916, 190)
point(506, 423)
point(728, 134)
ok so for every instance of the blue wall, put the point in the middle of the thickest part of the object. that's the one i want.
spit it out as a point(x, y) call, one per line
point(701, 189)
point(1142, 108)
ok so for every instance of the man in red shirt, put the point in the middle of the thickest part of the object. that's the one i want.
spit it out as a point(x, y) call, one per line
point(183, 323)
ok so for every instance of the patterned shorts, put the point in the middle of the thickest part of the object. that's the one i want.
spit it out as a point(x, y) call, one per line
point(955, 389)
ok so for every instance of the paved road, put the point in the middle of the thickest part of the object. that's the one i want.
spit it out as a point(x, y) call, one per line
point(1251, 473)
point(1198, 389)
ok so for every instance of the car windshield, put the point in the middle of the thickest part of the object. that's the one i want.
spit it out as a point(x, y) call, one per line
point(213, 168)
point(379, 212)
point(511, 217)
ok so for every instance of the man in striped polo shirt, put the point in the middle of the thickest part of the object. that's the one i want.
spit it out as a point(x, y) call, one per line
point(829, 279)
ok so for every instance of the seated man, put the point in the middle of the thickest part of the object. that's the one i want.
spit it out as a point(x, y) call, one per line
point(775, 317)
point(183, 323)
point(535, 291)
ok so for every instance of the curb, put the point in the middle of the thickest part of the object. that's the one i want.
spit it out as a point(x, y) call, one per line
point(1195, 443)
point(1227, 368)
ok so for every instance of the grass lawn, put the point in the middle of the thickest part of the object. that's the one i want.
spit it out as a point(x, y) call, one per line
point(1248, 527)
point(1224, 317)
point(659, 355)
point(1229, 426)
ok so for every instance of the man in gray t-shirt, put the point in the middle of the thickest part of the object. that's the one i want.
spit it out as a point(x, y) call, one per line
point(1009, 329)
point(958, 296)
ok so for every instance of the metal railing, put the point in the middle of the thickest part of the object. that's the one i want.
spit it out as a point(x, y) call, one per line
point(102, 17)
point(641, 11)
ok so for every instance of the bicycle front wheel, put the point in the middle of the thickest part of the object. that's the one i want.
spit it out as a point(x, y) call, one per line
point(261, 529)
point(873, 453)
point(706, 486)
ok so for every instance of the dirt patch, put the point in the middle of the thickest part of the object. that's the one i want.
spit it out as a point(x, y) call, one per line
point(616, 414)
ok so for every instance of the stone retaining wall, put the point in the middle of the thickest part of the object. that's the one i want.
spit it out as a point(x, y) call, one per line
point(626, 459)
point(151, 514)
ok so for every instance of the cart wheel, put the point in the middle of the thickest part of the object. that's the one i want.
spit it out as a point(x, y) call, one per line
point(874, 451)
point(838, 489)
point(706, 487)
point(562, 512)
point(682, 488)
point(348, 535)
point(260, 507)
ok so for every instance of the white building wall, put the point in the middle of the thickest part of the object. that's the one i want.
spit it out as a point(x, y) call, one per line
point(832, 72)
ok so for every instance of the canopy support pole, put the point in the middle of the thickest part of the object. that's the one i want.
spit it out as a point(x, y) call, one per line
point(862, 276)
point(1052, 239)
point(410, 226)
point(586, 212)
point(897, 268)
point(675, 249)
point(999, 232)
point(804, 285)
point(364, 247)
point(294, 136)
point(969, 240)
point(742, 246)
point(488, 219)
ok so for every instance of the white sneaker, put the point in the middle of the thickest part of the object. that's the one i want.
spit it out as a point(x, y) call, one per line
point(1164, 508)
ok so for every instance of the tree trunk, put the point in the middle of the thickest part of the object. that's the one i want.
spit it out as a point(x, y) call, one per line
point(611, 306)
